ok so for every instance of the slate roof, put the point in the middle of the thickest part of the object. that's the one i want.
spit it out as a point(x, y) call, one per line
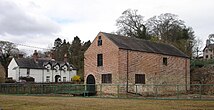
point(135, 44)
point(210, 46)
point(30, 63)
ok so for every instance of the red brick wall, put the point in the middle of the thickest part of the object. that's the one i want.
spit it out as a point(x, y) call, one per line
point(176, 72)
point(110, 60)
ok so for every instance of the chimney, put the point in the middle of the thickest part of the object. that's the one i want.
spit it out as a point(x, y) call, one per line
point(208, 42)
point(65, 58)
point(35, 56)
point(20, 56)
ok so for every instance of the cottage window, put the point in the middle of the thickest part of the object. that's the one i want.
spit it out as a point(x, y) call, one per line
point(64, 79)
point(99, 59)
point(99, 42)
point(206, 56)
point(165, 61)
point(106, 78)
point(139, 78)
point(47, 78)
point(28, 72)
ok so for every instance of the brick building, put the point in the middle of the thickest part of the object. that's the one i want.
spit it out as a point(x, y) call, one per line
point(114, 59)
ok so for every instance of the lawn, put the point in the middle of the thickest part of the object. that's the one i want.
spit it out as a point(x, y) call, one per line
point(11, 102)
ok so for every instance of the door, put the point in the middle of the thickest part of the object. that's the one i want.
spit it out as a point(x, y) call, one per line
point(90, 81)
point(57, 78)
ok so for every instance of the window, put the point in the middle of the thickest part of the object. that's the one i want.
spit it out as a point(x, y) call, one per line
point(211, 57)
point(206, 56)
point(99, 59)
point(47, 78)
point(139, 78)
point(164, 61)
point(64, 79)
point(99, 42)
point(28, 72)
point(106, 78)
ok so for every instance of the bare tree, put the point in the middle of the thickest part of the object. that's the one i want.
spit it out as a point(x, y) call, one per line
point(197, 49)
point(132, 24)
point(164, 25)
point(7, 49)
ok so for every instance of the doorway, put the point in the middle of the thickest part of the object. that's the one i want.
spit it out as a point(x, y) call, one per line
point(57, 78)
point(90, 81)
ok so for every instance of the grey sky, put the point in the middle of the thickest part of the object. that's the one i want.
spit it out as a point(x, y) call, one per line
point(40, 22)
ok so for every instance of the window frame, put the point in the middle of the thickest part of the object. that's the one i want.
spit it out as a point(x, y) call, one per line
point(99, 41)
point(140, 79)
point(165, 61)
point(64, 79)
point(28, 71)
point(106, 78)
point(99, 60)
point(47, 78)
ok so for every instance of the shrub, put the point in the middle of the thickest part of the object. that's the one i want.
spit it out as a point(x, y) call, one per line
point(10, 80)
point(76, 78)
point(27, 79)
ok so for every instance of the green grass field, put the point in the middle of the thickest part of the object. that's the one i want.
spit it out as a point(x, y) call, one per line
point(11, 102)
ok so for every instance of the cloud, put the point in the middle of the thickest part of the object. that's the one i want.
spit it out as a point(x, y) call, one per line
point(15, 20)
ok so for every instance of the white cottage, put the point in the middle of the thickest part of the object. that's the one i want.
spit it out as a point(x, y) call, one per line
point(41, 69)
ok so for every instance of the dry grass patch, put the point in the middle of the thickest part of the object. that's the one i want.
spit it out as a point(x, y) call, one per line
point(9, 102)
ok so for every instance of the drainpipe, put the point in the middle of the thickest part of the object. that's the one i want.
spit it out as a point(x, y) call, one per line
point(19, 74)
point(186, 74)
point(127, 72)
point(42, 75)
point(52, 76)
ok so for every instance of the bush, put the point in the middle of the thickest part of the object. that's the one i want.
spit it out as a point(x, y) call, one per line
point(10, 80)
point(76, 78)
point(27, 79)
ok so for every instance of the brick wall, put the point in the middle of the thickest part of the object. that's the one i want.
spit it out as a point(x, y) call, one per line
point(110, 60)
point(175, 72)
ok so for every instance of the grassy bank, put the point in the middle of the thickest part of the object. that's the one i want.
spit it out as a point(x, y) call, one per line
point(9, 102)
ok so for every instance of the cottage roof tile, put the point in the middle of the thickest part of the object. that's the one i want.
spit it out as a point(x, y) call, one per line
point(39, 64)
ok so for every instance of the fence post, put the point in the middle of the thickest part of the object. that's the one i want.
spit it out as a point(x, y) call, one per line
point(136, 89)
point(177, 91)
point(118, 90)
point(200, 92)
point(101, 90)
point(156, 92)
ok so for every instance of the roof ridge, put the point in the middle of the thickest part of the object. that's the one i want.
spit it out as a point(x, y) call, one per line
point(131, 43)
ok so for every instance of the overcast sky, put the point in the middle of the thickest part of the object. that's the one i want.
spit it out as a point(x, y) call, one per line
point(39, 22)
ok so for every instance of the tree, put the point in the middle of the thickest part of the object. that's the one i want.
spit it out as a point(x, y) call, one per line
point(197, 49)
point(164, 26)
point(132, 24)
point(76, 55)
point(171, 30)
point(7, 49)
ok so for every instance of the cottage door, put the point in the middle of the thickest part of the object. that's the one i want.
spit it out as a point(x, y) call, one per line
point(90, 84)
point(57, 78)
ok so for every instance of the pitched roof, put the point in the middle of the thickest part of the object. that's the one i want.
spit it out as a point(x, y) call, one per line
point(210, 46)
point(30, 63)
point(136, 44)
